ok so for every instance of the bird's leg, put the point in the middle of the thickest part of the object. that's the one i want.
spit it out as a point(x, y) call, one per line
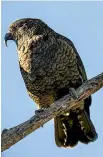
point(39, 111)
point(72, 91)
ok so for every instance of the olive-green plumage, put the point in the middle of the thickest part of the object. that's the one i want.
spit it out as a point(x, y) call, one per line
point(50, 65)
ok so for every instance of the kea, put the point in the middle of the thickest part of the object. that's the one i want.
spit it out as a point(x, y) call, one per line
point(51, 66)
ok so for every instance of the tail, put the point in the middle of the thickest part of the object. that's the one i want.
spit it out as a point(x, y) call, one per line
point(77, 126)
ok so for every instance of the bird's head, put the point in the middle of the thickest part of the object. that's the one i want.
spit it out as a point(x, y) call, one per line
point(26, 27)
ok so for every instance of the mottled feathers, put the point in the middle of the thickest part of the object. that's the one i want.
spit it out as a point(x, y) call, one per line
point(50, 65)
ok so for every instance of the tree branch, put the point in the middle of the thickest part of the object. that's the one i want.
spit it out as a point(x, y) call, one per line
point(15, 134)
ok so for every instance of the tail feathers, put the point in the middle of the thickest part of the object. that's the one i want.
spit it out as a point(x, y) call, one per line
point(87, 125)
point(69, 129)
point(62, 138)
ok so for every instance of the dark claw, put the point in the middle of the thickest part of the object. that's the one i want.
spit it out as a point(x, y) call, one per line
point(39, 111)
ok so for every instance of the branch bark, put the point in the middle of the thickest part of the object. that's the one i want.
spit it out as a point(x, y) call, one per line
point(17, 133)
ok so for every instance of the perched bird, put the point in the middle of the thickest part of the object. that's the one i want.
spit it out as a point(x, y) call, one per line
point(50, 65)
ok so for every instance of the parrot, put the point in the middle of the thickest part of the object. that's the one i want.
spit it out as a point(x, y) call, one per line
point(50, 66)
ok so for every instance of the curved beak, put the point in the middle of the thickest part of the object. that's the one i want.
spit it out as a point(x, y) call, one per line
point(8, 36)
